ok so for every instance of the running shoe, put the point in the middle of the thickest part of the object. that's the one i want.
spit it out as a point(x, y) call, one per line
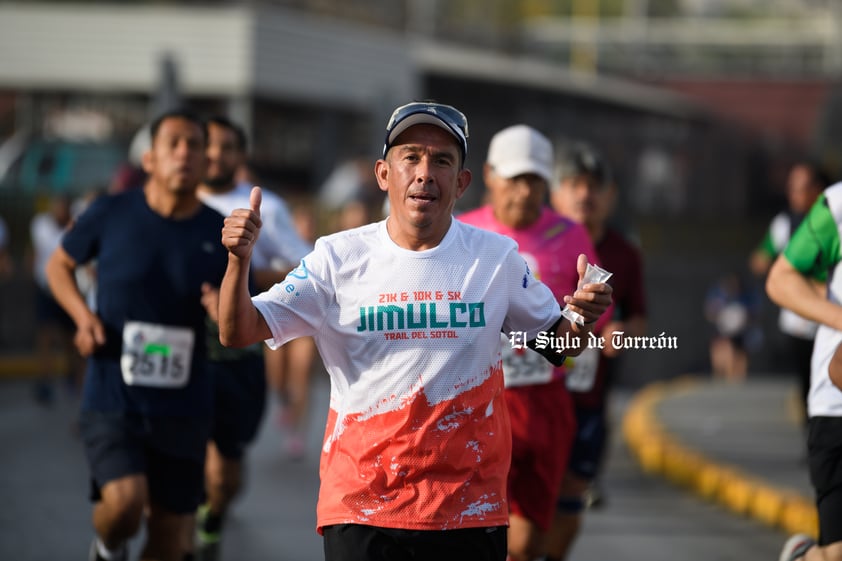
point(296, 449)
point(93, 553)
point(796, 546)
point(207, 539)
point(595, 497)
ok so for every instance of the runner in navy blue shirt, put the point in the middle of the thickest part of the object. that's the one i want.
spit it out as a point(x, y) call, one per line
point(146, 406)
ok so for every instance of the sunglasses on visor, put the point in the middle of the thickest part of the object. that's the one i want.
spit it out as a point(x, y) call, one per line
point(451, 117)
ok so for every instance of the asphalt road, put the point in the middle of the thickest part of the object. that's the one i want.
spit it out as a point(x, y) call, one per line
point(46, 515)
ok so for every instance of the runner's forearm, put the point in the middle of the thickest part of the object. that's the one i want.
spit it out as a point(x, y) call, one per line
point(240, 324)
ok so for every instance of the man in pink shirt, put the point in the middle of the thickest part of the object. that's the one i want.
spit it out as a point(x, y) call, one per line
point(517, 174)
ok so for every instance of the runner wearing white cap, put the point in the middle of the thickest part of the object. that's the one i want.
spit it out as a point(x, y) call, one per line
point(517, 173)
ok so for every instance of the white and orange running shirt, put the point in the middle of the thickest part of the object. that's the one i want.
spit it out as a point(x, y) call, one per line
point(417, 435)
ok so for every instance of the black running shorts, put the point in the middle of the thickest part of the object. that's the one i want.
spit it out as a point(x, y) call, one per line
point(354, 542)
point(824, 447)
point(238, 404)
point(169, 451)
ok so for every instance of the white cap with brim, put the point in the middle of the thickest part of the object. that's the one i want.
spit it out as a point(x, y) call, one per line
point(520, 149)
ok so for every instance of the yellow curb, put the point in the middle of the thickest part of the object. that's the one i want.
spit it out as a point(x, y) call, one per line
point(736, 492)
point(24, 365)
point(767, 505)
point(681, 464)
point(800, 516)
point(660, 453)
point(708, 480)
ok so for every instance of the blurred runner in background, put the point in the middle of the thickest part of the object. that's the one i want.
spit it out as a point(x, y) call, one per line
point(804, 184)
point(147, 399)
point(584, 191)
point(518, 172)
point(239, 375)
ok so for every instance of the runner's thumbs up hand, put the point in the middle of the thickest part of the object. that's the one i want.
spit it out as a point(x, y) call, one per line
point(255, 198)
point(242, 227)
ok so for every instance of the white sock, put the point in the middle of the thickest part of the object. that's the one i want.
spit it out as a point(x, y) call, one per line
point(106, 553)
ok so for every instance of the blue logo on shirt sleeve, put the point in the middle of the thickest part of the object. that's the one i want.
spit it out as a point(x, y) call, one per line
point(526, 276)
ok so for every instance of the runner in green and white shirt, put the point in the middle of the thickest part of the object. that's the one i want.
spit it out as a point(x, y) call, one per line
point(806, 279)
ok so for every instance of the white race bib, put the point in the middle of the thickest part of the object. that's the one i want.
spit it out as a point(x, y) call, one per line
point(156, 355)
point(581, 370)
point(524, 367)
